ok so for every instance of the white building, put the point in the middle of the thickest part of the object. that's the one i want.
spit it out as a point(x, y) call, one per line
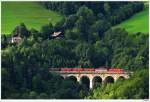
point(16, 39)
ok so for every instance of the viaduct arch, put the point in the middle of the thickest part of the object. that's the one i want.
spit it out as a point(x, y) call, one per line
point(94, 79)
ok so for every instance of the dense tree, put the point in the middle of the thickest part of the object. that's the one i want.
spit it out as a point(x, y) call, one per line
point(47, 30)
point(129, 52)
point(88, 41)
point(107, 8)
point(70, 21)
point(71, 35)
point(59, 26)
point(85, 20)
point(100, 27)
point(4, 41)
point(35, 34)
point(115, 12)
point(21, 31)
point(68, 8)
point(136, 87)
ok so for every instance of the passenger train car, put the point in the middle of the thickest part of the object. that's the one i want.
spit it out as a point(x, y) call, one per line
point(98, 70)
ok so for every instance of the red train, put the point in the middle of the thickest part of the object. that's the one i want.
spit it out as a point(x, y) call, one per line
point(101, 69)
point(116, 70)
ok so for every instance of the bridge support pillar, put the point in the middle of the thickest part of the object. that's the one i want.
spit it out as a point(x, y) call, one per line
point(78, 79)
point(91, 84)
point(115, 79)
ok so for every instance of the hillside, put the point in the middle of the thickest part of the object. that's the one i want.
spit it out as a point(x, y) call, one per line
point(30, 13)
point(34, 62)
point(137, 23)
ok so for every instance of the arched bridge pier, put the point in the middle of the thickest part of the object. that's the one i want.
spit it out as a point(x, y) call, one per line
point(92, 78)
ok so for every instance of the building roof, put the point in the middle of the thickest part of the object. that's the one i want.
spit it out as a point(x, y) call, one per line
point(55, 34)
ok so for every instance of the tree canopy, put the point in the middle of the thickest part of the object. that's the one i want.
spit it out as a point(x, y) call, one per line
point(87, 41)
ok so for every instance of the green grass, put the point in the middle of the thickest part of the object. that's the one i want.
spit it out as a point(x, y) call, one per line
point(137, 23)
point(32, 14)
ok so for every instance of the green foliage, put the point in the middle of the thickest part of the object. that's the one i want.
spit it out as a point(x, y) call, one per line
point(70, 21)
point(26, 64)
point(86, 18)
point(21, 31)
point(115, 12)
point(107, 8)
point(86, 41)
point(59, 26)
point(4, 41)
point(100, 27)
point(134, 88)
point(46, 31)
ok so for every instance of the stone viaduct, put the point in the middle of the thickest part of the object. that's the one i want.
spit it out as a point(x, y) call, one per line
point(94, 77)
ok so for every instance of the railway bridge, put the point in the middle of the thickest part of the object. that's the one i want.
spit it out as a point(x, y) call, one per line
point(93, 78)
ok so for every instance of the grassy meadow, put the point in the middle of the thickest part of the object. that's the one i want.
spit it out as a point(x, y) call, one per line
point(32, 14)
point(137, 23)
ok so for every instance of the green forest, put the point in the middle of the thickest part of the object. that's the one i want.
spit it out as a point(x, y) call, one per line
point(87, 40)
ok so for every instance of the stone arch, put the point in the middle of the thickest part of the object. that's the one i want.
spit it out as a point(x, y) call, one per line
point(85, 81)
point(96, 81)
point(62, 77)
point(109, 79)
point(120, 78)
point(72, 77)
